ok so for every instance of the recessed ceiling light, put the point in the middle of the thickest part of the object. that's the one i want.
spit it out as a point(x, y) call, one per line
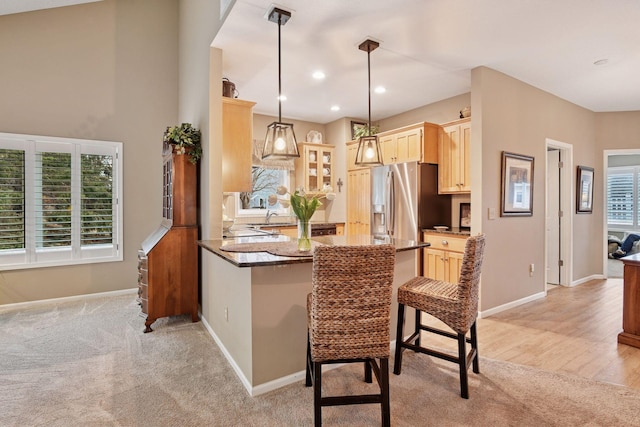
point(380, 89)
point(601, 61)
point(282, 97)
point(318, 75)
point(335, 108)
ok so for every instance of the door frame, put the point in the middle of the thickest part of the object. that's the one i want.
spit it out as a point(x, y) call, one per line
point(566, 205)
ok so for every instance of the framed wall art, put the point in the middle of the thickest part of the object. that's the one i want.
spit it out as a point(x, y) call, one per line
point(355, 128)
point(517, 185)
point(584, 190)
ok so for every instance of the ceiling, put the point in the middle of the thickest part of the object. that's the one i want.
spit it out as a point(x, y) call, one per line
point(427, 50)
point(8, 7)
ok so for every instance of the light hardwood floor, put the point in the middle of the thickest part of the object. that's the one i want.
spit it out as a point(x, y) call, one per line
point(573, 331)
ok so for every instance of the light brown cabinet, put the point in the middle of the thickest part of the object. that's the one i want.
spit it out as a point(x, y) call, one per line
point(443, 259)
point(314, 167)
point(359, 202)
point(168, 260)
point(454, 158)
point(417, 142)
point(237, 144)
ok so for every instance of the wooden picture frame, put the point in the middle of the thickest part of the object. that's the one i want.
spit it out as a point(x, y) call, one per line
point(354, 127)
point(517, 185)
point(465, 216)
point(584, 190)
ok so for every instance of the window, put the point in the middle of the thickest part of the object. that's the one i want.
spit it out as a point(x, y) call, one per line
point(623, 186)
point(59, 201)
point(265, 182)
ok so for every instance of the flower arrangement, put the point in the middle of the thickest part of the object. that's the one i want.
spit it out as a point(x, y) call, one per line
point(185, 139)
point(303, 206)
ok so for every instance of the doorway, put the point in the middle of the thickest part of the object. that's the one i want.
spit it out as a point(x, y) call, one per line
point(558, 205)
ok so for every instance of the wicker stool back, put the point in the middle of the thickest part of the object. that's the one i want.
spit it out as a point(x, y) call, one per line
point(349, 313)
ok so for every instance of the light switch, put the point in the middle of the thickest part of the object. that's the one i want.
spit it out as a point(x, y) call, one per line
point(492, 213)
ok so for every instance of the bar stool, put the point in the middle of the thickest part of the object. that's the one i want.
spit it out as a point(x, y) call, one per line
point(348, 313)
point(454, 304)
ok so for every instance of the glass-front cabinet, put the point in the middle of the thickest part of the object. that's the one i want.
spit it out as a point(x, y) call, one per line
point(314, 167)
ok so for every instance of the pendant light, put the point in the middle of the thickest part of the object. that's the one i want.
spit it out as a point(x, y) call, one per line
point(368, 153)
point(280, 141)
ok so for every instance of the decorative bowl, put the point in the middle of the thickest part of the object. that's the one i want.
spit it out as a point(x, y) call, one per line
point(440, 228)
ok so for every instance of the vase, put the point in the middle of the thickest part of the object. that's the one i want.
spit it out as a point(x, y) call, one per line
point(304, 236)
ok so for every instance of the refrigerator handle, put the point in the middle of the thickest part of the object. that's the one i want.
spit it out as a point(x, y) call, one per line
point(390, 203)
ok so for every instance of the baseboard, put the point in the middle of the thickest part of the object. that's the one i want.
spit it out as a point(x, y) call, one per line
point(588, 279)
point(510, 305)
point(67, 299)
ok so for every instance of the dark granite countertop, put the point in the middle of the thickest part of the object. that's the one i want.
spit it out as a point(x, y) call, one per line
point(259, 259)
point(454, 231)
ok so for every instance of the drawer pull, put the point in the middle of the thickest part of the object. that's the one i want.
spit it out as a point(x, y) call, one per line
point(444, 242)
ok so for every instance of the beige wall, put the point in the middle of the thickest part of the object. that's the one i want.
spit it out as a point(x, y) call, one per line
point(513, 116)
point(618, 130)
point(439, 112)
point(108, 71)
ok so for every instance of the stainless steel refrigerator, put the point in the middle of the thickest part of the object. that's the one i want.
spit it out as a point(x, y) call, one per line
point(405, 200)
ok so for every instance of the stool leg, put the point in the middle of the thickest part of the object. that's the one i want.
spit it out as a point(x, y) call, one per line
point(397, 362)
point(307, 381)
point(367, 372)
point(384, 390)
point(317, 394)
point(474, 345)
point(418, 323)
point(462, 361)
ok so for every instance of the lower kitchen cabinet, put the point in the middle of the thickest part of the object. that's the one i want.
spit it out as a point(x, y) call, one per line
point(443, 259)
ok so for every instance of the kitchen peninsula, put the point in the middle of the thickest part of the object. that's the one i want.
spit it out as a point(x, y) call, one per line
point(256, 304)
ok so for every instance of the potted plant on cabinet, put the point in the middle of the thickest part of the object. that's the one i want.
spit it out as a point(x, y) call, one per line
point(185, 139)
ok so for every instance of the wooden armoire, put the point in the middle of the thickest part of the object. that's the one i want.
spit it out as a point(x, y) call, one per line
point(168, 260)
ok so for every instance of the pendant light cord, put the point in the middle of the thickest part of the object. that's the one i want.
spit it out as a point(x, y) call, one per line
point(369, 83)
point(279, 72)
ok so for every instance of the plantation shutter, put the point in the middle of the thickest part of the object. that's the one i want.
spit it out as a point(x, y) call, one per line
point(621, 202)
point(12, 196)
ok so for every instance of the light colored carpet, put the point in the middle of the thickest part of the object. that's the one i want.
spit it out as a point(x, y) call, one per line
point(89, 364)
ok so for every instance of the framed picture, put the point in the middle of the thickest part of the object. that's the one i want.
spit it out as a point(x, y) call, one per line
point(584, 190)
point(465, 215)
point(517, 185)
point(355, 126)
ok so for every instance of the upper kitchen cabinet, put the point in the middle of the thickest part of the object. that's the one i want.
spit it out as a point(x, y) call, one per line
point(454, 153)
point(413, 143)
point(237, 144)
point(314, 167)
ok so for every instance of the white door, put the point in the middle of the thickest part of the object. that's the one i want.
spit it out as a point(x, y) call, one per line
point(553, 216)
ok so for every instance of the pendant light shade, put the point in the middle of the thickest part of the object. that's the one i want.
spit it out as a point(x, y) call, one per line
point(369, 153)
point(280, 141)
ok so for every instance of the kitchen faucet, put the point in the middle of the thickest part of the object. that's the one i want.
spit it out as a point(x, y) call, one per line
point(269, 215)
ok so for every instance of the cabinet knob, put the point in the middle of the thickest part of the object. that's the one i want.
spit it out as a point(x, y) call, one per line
point(444, 242)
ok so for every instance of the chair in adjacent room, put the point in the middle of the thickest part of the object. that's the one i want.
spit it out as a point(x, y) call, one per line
point(455, 304)
point(349, 313)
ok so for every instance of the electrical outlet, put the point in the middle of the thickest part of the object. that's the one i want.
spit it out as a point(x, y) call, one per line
point(226, 314)
point(531, 269)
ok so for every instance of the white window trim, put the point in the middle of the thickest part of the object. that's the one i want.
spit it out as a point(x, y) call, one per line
point(32, 257)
